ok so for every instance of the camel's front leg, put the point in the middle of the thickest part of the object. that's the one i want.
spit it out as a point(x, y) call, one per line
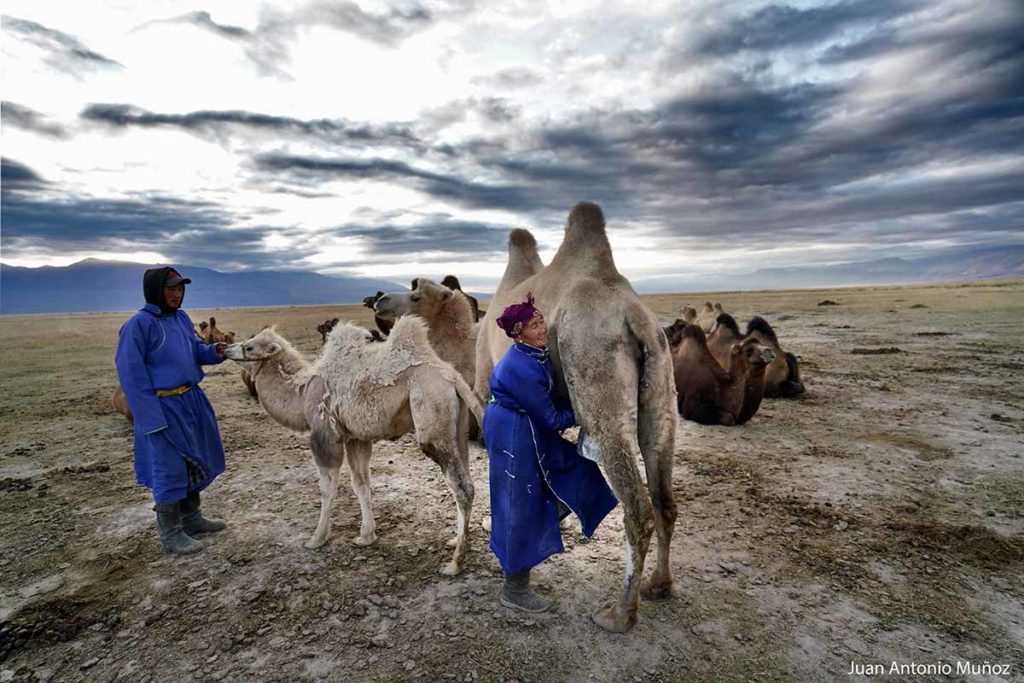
point(359, 464)
point(328, 491)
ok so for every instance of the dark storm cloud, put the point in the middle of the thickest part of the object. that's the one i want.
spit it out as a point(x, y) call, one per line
point(17, 176)
point(783, 26)
point(64, 51)
point(436, 235)
point(19, 116)
point(452, 188)
point(126, 116)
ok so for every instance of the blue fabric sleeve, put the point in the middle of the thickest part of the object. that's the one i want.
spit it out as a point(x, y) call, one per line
point(133, 376)
point(531, 393)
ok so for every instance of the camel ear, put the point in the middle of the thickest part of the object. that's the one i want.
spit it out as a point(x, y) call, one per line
point(273, 347)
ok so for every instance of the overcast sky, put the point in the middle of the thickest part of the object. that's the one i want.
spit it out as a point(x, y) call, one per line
point(394, 139)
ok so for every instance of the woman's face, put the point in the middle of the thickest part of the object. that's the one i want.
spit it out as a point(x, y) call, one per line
point(174, 295)
point(535, 331)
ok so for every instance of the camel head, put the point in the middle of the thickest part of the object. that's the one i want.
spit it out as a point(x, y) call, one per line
point(426, 299)
point(369, 301)
point(326, 326)
point(689, 314)
point(750, 353)
point(266, 345)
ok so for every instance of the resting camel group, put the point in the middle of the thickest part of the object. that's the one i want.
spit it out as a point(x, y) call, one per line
point(424, 370)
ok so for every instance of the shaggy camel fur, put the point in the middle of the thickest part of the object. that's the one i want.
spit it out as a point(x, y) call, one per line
point(120, 404)
point(782, 378)
point(452, 283)
point(710, 394)
point(359, 392)
point(449, 318)
point(612, 360)
point(383, 325)
point(523, 262)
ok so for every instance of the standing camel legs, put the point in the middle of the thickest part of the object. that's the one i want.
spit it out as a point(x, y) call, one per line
point(327, 456)
point(359, 465)
point(456, 475)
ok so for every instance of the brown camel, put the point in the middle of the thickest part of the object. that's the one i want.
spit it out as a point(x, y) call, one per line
point(383, 325)
point(452, 283)
point(212, 335)
point(712, 395)
point(723, 335)
point(782, 378)
point(359, 392)
point(120, 404)
point(612, 360)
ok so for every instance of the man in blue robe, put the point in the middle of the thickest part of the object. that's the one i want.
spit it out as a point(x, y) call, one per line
point(536, 476)
point(178, 451)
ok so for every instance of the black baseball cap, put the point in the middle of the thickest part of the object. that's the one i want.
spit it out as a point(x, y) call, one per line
point(174, 279)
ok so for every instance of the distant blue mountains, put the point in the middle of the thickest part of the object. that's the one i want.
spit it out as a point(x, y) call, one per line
point(96, 285)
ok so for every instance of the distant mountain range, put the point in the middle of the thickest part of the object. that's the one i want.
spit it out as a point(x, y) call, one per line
point(977, 263)
point(95, 285)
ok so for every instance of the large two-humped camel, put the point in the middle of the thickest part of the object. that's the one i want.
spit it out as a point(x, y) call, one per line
point(359, 392)
point(612, 359)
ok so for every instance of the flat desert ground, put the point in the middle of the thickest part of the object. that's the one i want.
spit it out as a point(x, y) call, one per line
point(878, 519)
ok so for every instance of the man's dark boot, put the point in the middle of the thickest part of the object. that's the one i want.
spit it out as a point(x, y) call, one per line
point(172, 537)
point(192, 520)
point(517, 594)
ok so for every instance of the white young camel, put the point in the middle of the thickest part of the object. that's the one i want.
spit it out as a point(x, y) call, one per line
point(359, 392)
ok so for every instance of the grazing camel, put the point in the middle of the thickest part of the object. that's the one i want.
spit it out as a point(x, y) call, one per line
point(120, 404)
point(523, 262)
point(358, 392)
point(383, 325)
point(712, 395)
point(452, 283)
point(611, 359)
point(782, 378)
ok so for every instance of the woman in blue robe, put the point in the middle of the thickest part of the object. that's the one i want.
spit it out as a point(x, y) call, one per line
point(536, 476)
point(178, 451)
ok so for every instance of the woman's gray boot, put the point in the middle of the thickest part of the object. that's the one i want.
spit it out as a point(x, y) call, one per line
point(172, 536)
point(192, 520)
point(517, 594)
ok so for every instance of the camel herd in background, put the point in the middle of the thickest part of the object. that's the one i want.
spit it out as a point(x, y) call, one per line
point(628, 378)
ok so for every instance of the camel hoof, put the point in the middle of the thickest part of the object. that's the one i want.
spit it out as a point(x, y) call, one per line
point(451, 569)
point(611, 619)
point(314, 543)
point(364, 541)
point(652, 589)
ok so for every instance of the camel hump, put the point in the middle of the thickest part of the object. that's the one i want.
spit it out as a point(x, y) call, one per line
point(520, 238)
point(410, 332)
point(694, 332)
point(586, 216)
point(729, 322)
point(760, 325)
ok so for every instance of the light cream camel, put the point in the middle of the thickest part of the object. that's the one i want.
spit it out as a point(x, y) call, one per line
point(359, 392)
point(523, 262)
point(449, 318)
point(611, 358)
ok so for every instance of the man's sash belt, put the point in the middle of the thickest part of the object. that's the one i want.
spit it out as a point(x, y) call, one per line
point(176, 391)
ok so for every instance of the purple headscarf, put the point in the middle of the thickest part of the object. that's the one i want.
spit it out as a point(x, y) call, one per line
point(516, 315)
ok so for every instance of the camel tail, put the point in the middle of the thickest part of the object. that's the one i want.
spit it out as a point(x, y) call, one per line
point(656, 398)
point(469, 397)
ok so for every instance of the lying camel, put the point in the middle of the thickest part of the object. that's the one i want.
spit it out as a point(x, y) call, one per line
point(212, 335)
point(452, 283)
point(358, 392)
point(383, 325)
point(674, 333)
point(782, 378)
point(723, 335)
point(120, 404)
point(712, 395)
point(611, 359)
point(706, 318)
point(325, 327)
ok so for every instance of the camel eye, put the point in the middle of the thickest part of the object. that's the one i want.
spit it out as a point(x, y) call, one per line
point(414, 299)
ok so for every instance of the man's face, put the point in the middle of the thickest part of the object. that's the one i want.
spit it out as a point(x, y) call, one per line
point(174, 295)
point(535, 331)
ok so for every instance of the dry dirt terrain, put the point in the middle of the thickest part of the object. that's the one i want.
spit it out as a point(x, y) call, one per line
point(877, 519)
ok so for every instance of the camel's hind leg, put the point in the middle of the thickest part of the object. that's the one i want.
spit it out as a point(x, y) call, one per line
point(456, 475)
point(359, 464)
point(328, 455)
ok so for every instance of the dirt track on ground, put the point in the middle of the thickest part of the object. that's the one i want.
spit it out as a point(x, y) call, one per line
point(877, 519)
